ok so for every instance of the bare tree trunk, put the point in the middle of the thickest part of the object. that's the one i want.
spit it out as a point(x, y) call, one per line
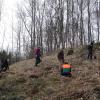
point(89, 23)
point(34, 35)
point(12, 37)
point(32, 22)
point(1, 5)
point(77, 35)
point(73, 34)
point(97, 13)
point(60, 23)
point(33, 27)
point(68, 35)
point(67, 23)
point(41, 18)
point(81, 23)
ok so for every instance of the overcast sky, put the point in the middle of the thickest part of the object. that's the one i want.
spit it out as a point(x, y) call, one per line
point(9, 10)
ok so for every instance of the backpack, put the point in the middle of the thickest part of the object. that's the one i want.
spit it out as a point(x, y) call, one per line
point(66, 68)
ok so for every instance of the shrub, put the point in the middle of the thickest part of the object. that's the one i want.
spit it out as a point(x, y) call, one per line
point(70, 51)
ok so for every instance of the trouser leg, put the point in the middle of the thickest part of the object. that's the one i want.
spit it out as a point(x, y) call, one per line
point(38, 60)
point(90, 55)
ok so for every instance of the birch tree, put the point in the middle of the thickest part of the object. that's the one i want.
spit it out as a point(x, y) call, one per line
point(1, 6)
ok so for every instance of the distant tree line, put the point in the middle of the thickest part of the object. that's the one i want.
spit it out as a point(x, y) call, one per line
point(53, 24)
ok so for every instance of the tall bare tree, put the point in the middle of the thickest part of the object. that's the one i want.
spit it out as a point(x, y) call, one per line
point(81, 23)
point(1, 5)
point(53, 24)
point(98, 18)
point(89, 22)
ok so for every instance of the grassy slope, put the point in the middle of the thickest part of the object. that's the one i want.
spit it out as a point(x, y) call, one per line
point(25, 82)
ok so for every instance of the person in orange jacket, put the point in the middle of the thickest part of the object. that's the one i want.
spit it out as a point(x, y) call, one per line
point(66, 69)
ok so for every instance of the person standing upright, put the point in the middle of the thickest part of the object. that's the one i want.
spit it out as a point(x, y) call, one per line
point(90, 50)
point(60, 57)
point(37, 56)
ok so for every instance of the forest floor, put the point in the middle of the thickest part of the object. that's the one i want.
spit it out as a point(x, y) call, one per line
point(24, 81)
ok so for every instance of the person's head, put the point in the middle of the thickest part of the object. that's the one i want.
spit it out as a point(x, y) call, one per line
point(65, 62)
point(92, 42)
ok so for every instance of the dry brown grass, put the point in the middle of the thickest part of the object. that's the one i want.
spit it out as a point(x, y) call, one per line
point(25, 82)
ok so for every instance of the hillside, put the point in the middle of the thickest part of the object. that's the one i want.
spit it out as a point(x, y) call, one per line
point(25, 82)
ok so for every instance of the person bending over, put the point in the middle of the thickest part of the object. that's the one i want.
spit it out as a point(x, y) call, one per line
point(66, 69)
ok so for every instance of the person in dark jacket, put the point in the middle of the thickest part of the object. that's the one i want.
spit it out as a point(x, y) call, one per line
point(60, 57)
point(90, 50)
point(4, 65)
